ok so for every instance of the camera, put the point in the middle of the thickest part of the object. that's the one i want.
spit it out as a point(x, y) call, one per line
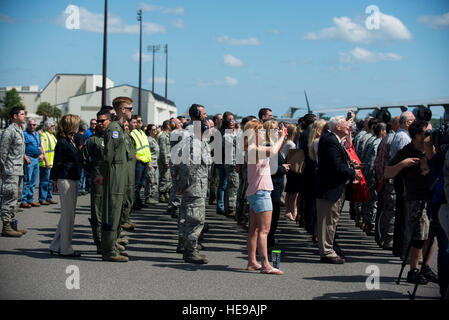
point(439, 136)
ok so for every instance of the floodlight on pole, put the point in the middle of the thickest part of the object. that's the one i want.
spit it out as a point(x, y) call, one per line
point(153, 48)
point(139, 18)
point(105, 45)
point(166, 69)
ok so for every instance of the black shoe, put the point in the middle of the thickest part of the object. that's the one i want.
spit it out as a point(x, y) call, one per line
point(332, 260)
point(142, 205)
point(413, 276)
point(429, 274)
point(173, 213)
point(220, 212)
point(75, 254)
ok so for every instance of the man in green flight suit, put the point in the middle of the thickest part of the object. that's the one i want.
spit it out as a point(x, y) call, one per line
point(117, 153)
point(91, 160)
point(126, 222)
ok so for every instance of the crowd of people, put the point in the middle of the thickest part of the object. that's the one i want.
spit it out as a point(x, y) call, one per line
point(395, 180)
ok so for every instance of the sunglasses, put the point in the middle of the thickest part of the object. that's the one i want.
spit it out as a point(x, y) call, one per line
point(32, 124)
point(129, 108)
point(101, 121)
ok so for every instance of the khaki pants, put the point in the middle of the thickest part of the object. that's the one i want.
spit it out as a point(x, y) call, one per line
point(328, 213)
point(68, 192)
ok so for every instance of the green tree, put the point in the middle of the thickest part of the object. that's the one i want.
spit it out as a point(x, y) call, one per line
point(12, 99)
point(57, 113)
point(45, 109)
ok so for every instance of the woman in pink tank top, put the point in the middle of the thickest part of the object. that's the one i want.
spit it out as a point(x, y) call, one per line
point(258, 194)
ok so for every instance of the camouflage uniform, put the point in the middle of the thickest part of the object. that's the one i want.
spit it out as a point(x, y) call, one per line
point(388, 193)
point(357, 138)
point(152, 183)
point(163, 160)
point(359, 141)
point(193, 184)
point(92, 157)
point(369, 207)
point(232, 176)
point(242, 205)
point(174, 200)
point(361, 145)
point(12, 150)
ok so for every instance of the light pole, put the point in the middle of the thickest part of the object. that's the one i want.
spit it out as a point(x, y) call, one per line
point(166, 69)
point(153, 48)
point(139, 18)
point(105, 37)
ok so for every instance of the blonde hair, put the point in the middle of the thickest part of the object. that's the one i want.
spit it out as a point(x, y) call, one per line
point(317, 130)
point(254, 126)
point(68, 125)
point(119, 101)
point(291, 132)
point(268, 126)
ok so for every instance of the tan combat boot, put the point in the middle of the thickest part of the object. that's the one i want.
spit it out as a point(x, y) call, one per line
point(117, 258)
point(123, 241)
point(194, 257)
point(8, 231)
point(119, 247)
point(127, 226)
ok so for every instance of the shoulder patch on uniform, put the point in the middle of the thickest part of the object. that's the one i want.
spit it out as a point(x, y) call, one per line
point(115, 134)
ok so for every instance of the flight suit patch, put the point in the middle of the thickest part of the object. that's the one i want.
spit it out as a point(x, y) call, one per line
point(115, 134)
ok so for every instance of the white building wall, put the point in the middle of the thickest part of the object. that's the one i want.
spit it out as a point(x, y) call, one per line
point(153, 111)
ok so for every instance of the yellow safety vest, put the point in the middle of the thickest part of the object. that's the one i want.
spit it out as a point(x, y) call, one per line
point(50, 144)
point(143, 146)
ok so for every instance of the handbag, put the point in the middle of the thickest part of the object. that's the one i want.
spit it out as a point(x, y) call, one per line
point(295, 158)
point(360, 192)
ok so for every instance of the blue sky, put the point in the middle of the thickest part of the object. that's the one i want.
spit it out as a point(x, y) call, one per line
point(239, 55)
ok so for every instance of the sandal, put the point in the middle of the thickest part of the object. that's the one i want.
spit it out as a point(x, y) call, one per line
point(254, 268)
point(289, 216)
point(272, 271)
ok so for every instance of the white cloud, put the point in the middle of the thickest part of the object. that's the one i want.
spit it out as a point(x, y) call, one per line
point(232, 61)
point(365, 56)
point(435, 21)
point(179, 23)
point(238, 42)
point(6, 19)
point(145, 57)
point(274, 31)
point(228, 81)
point(161, 80)
point(231, 81)
point(390, 28)
point(179, 11)
point(150, 7)
point(94, 22)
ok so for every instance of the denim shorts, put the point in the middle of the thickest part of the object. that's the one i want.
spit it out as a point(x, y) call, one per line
point(260, 201)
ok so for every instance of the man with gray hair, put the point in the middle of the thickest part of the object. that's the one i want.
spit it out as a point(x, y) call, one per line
point(33, 154)
point(334, 172)
point(400, 140)
point(48, 141)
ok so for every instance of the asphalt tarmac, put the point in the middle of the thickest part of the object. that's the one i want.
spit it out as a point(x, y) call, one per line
point(156, 272)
